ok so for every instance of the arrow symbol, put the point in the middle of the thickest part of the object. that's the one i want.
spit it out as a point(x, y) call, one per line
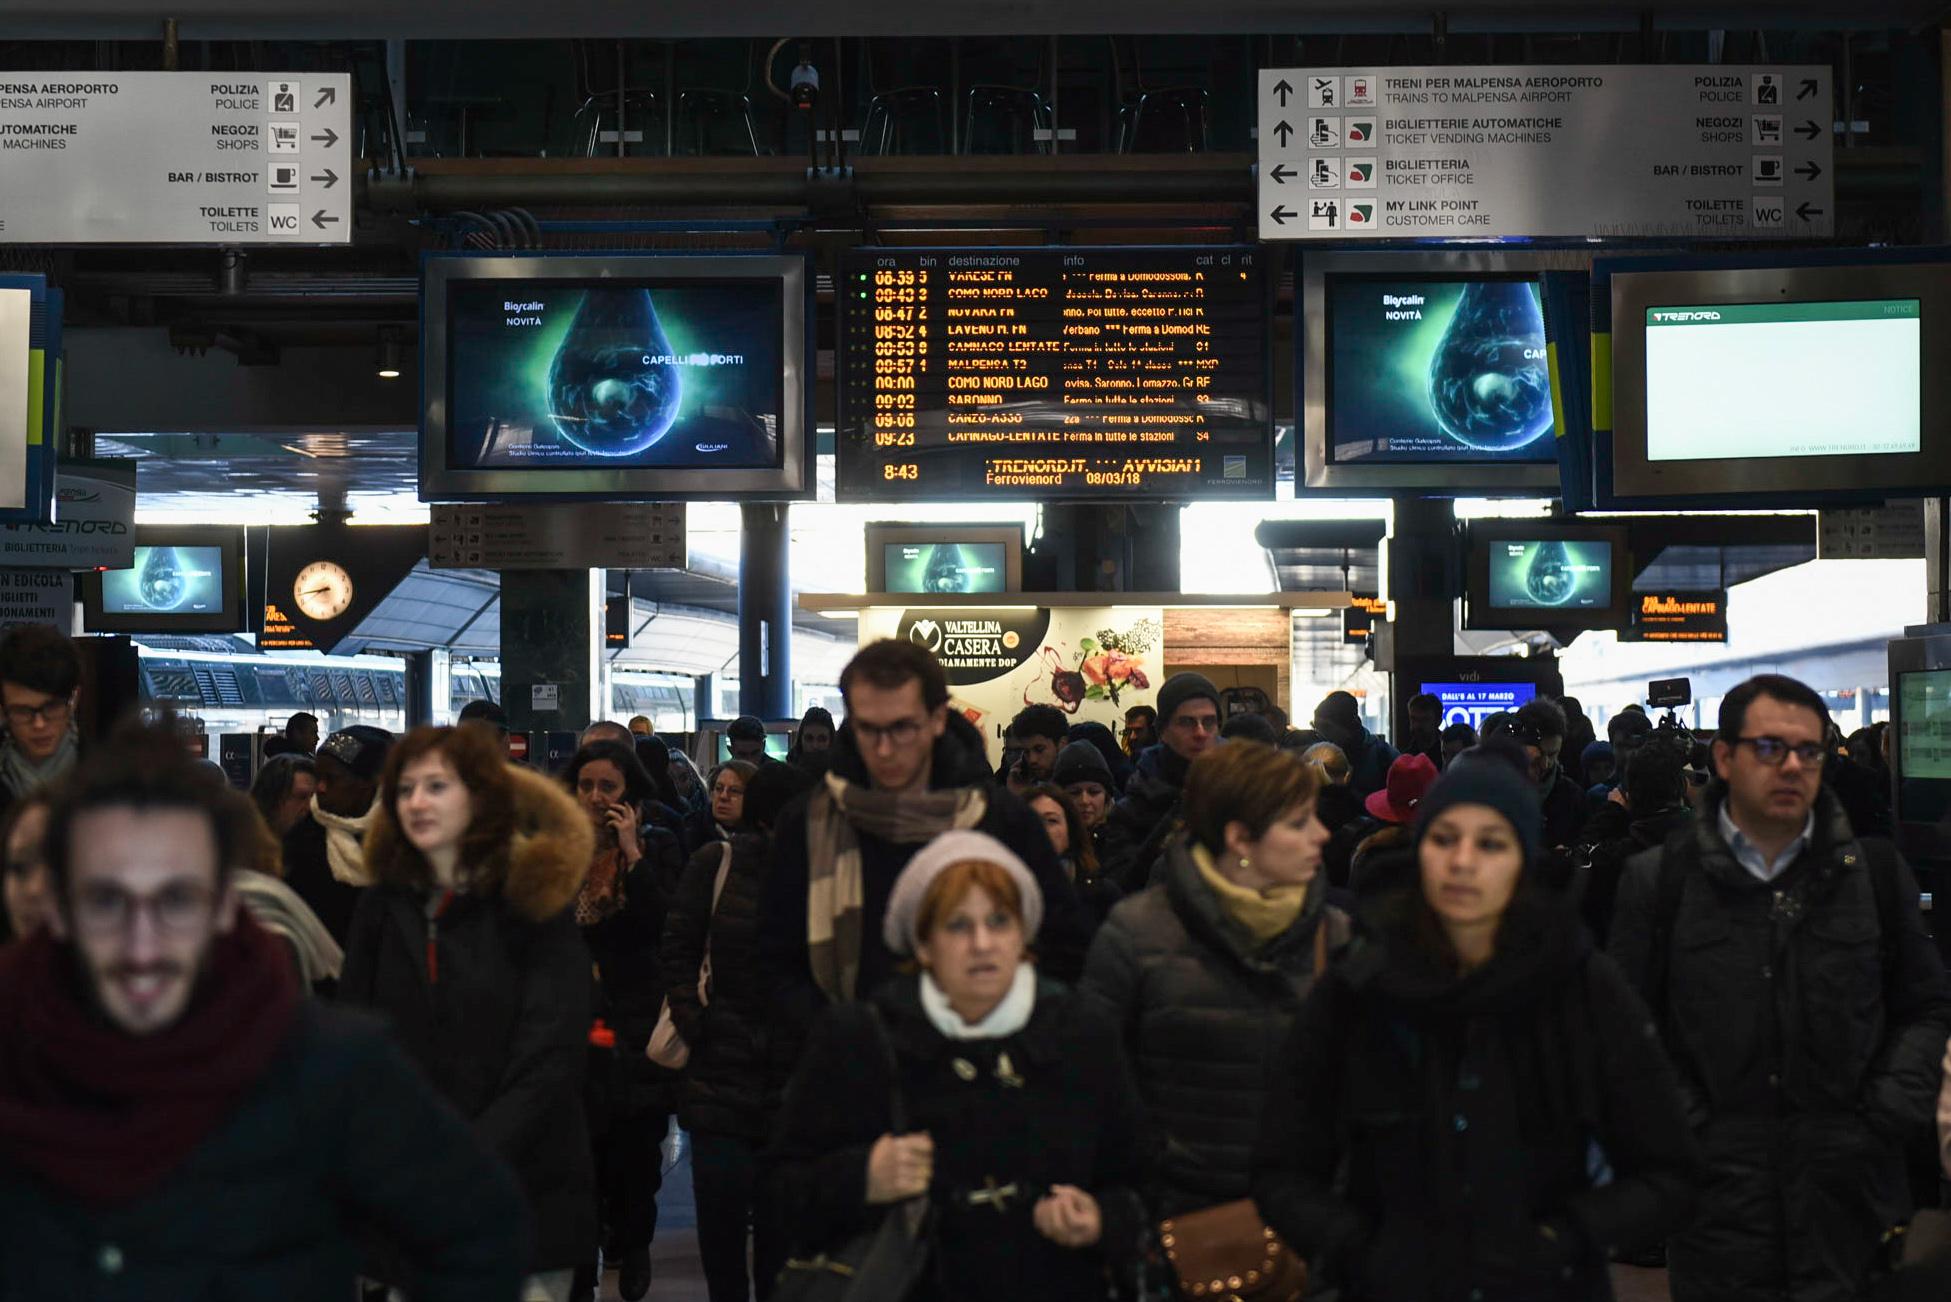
point(1807, 89)
point(1808, 131)
point(1807, 213)
point(1282, 89)
point(1281, 172)
point(329, 139)
point(328, 178)
point(321, 218)
point(1809, 170)
point(330, 95)
point(1283, 130)
point(1280, 215)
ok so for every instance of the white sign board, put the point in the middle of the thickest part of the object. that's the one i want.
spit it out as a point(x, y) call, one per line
point(1882, 533)
point(531, 536)
point(175, 158)
point(16, 306)
point(1615, 151)
point(94, 522)
point(545, 697)
point(37, 597)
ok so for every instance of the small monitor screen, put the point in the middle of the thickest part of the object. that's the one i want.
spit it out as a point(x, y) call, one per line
point(946, 567)
point(1924, 748)
point(1549, 574)
point(1759, 380)
point(167, 581)
point(1437, 370)
point(580, 375)
point(1472, 703)
point(777, 744)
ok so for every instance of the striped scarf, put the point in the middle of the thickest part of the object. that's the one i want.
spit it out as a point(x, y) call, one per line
point(840, 813)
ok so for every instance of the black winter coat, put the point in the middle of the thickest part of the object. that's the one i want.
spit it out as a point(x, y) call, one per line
point(1203, 1015)
point(1808, 1039)
point(501, 1024)
point(1144, 818)
point(1427, 1126)
point(1564, 809)
point(1066, 1115)
point(782, 924)
point(737, 1067)
point(1621, 838)
point(630, 981)
point(342, 1135)
point(308, 871)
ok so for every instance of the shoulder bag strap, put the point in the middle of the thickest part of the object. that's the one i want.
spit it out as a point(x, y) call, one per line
point(717, 889)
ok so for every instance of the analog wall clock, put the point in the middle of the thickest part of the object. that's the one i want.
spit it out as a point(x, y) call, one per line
point(323, 591)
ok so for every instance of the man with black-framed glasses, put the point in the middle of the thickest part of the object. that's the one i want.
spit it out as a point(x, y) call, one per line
point(1803, 1002)
point(40, 686)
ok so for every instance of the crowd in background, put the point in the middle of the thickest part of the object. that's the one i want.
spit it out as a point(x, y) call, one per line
point(1217, 1007)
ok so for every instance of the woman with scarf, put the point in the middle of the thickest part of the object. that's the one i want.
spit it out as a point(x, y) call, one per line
point(467, 942)
point(1001, 1099)
point(325, 854)
point(1448, 1085)
point(621, 909)
point(1205, 972)
point(726, 787)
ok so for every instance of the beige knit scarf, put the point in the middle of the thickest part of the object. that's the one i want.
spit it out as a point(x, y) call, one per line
point(839, 814)
point(345, 843)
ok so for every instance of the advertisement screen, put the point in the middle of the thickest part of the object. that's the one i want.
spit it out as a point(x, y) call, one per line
point(1924, 747)
point(1472, 703)
point(946, 567)
point(1437, 370)
point(1768, 380)
point(167, 580)
point(1552, 574)
point(575, 375)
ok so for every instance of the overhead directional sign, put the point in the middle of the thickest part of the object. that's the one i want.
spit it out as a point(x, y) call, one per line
point(175, 158)
point(1613, 151)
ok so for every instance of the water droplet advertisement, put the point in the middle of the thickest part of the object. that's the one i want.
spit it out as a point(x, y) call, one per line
point(166, 580)
point(1551, 574)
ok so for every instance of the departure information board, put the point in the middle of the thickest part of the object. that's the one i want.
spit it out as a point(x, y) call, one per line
point(1056, 373)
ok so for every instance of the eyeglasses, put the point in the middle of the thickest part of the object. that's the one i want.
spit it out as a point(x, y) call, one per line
point(902, 733)
point(1773, 750)
point(182, 909)
point(55, 711)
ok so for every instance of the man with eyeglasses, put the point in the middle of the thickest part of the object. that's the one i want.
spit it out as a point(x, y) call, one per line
point(1148, 812)
point(1804, 1004)
point(175, 1120)
point(900, 776)
point(40, 684)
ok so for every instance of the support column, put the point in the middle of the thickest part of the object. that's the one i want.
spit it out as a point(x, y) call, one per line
point(1423, 578)
point(1937, 560)
point(1107, 549)
point(765, 610)
point(551, 637)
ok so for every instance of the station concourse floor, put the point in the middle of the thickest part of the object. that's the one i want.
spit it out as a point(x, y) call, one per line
point(676, 1275)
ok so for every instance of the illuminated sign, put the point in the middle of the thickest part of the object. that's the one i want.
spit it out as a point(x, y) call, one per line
point(1677, 617)
point(1054, 373)
point(1358, 620)
point(1472, 703)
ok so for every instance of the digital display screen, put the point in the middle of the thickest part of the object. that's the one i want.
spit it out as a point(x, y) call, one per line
point(167, 580)
point(1550, 574)
point(1763, 380)
point(946, 567)
point(777, 744)
point(1437, 370)
point(1923, 748)
point(602, 374)
point(1067, 373)
point(1472, 703)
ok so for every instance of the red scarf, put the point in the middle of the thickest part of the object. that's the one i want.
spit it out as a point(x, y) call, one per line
point(105, 1116)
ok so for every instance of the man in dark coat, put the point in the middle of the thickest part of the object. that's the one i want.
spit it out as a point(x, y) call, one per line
point(1540, 728)
point(1147, 814)
point(1646, 808)
point(900, 777)
point(40, 686)
point(1803, 1003)
point(175, 1120)
point(1038, 732)
point(324, 858)
point(1338, 719)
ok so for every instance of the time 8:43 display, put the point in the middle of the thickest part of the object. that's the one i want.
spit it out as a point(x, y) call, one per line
point(1054, 373)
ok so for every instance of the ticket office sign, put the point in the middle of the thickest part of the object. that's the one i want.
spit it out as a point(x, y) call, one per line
point(1614, 152)
point(175, 158)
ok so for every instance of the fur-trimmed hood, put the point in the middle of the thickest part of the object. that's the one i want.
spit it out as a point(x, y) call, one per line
point(552, 848)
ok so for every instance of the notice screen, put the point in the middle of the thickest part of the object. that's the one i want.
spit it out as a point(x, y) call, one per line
point(1552, 574)
point(1924, 747)
point(1437, 371)
point(1731, 380)
point(552, 375)
point(1472, 703)
point(945, 567)
point(167, 581)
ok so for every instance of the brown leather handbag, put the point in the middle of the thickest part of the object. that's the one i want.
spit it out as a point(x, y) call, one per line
point(1227, 1254)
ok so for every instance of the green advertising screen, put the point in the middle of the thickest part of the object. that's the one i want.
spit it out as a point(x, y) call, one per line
point(1550, 574)
point(946, 567)
point(1924, 749)
point(1762, 380)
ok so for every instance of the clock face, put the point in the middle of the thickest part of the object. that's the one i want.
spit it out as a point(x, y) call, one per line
point(323, 590)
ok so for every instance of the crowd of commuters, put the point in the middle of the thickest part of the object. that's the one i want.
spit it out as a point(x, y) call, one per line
point(1230, 1009)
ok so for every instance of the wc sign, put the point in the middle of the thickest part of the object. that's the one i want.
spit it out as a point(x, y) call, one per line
point(284, 218)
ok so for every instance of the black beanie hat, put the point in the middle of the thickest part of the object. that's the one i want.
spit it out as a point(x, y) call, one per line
point(1484, 781)
point(361, 748)
point(1179, 689)
point(1082, 762)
